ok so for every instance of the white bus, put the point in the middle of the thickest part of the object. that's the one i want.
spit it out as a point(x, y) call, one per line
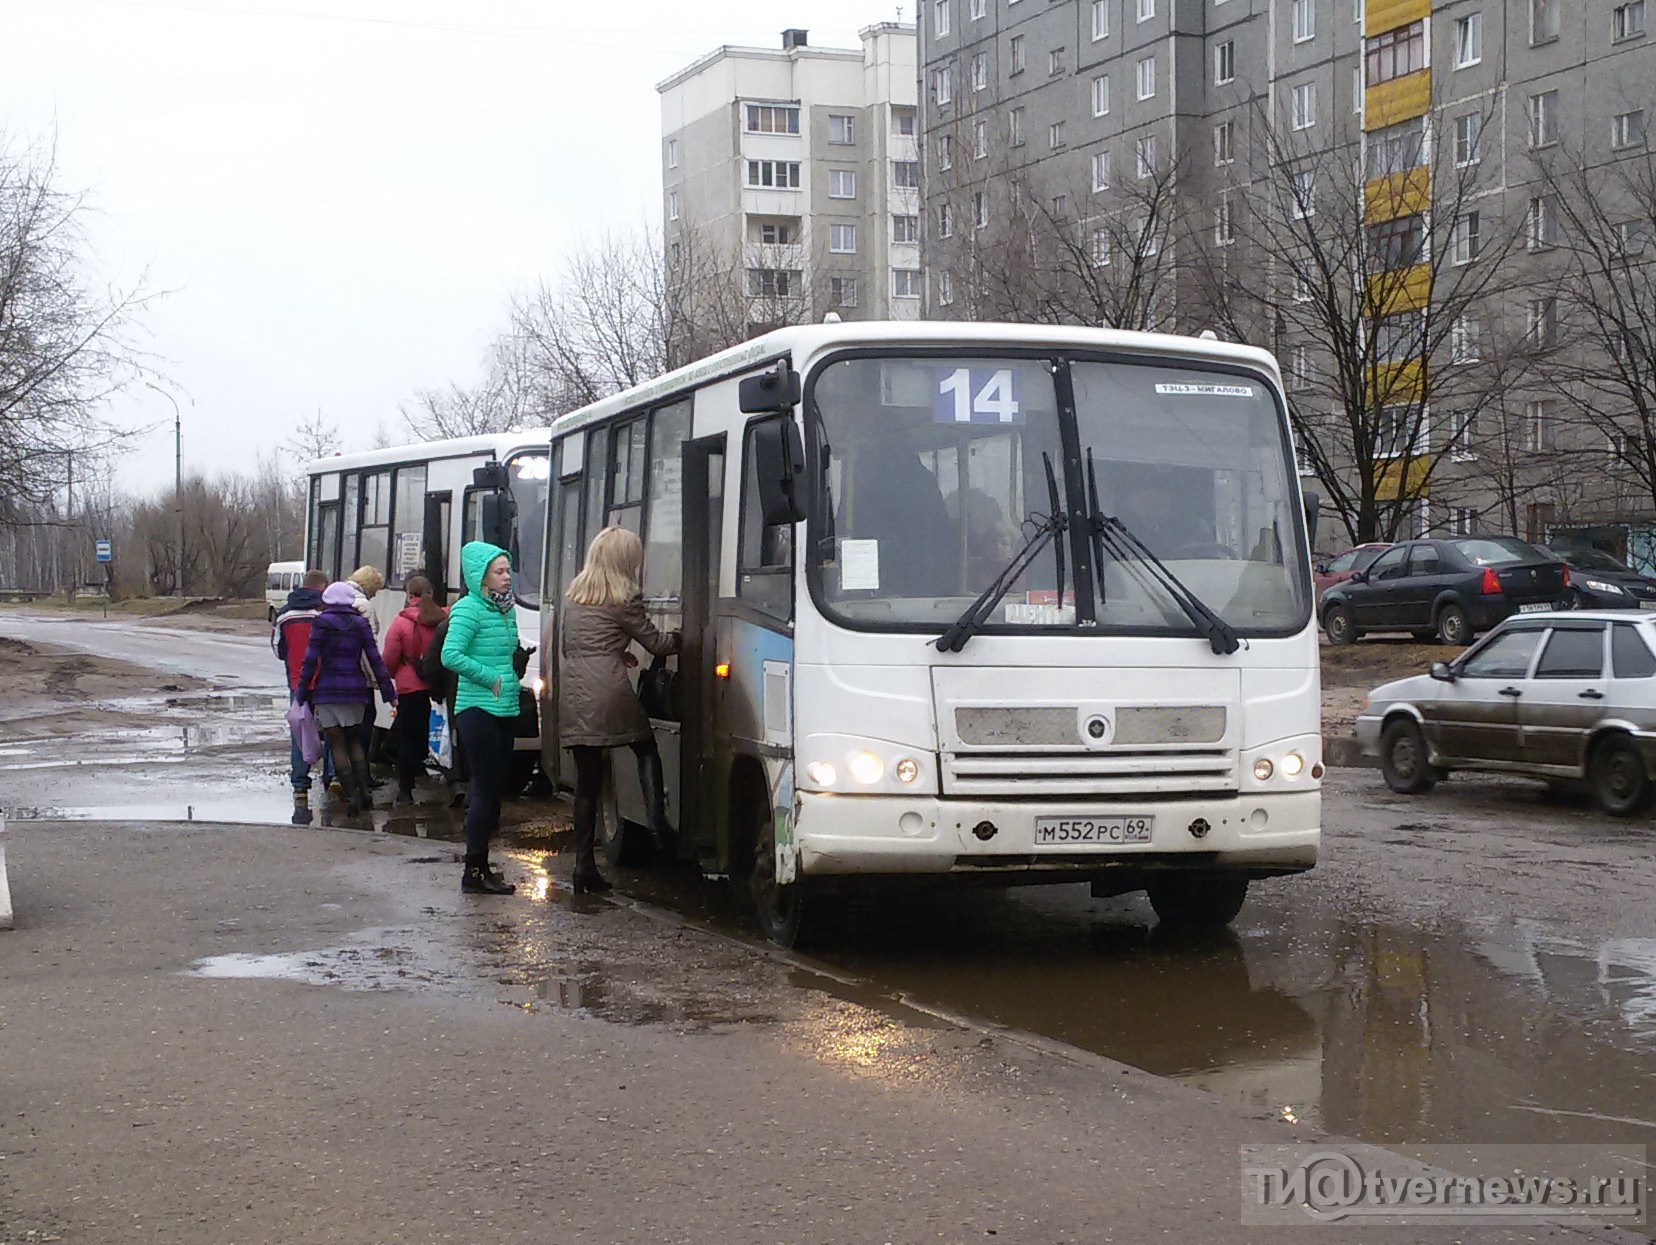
point(996, 603)
point(408, 509)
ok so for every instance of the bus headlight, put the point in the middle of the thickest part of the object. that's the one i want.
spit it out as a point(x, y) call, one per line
point(907, 770)
point(822, 773)
point(1263, 769)
point(865, 768)
point(1293, 765)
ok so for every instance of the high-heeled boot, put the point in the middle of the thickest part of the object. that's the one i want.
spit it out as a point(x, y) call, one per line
point(586, 880)
point(662, 835)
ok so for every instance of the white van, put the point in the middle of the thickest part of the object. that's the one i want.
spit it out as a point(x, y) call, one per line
point(281, 578)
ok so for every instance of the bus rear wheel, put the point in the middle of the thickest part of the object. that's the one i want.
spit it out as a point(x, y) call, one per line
point(1197, 899)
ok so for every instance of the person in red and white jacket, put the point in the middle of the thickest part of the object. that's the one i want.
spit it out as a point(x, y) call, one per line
point(406, 641)
point(290, 636)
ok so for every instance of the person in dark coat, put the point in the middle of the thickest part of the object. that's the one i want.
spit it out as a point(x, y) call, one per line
point(597, 707)
point(290, 636)
point(332, 682)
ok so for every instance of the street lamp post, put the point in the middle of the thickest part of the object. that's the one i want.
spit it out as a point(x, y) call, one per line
point(178, 480)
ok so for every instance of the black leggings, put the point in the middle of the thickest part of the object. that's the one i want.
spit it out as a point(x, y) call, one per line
point(413, 732)
point(589, 767)
point(489, 748)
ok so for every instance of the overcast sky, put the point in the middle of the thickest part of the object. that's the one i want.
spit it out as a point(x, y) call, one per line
point(342, 195)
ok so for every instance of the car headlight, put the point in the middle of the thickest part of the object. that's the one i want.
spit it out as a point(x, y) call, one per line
point(1599, 585)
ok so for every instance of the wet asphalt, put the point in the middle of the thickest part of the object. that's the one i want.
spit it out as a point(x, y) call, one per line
point(1475, 965)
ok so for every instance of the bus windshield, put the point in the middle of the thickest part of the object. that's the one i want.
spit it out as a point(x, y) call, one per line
point(935, 471)
point(531, 476)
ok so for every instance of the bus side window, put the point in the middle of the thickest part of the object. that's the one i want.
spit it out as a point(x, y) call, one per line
point(764, 578)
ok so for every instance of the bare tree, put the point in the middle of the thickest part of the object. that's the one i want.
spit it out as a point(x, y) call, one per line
point(510, 395)
point(64, 344)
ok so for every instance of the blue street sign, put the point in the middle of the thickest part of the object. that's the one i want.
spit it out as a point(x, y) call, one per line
point(105, 552)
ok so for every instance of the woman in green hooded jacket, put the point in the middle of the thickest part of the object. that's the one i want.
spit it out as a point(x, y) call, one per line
point(479, 649)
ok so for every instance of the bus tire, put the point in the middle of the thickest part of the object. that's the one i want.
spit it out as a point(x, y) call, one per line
point(796, 915)
point(625, 844)
point(1194, 899)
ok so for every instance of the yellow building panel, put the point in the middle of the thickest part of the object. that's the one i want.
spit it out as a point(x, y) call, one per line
point(1395, 384)
point(1404, 289)
point(1379, 16)
point(1408, 193)
point(1413, 474)
point(1401, 99)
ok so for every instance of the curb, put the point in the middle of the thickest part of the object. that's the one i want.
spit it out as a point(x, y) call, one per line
point(1343, 753)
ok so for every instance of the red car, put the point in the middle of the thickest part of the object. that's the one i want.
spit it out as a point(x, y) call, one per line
point(1327, 574)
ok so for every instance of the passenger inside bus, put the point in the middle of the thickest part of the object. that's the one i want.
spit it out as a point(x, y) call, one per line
point(892, 498)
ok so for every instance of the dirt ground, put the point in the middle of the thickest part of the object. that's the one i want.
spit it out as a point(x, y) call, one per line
point(1350, 672)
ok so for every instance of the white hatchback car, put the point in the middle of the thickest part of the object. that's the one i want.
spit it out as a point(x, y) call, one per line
point(1564, 696)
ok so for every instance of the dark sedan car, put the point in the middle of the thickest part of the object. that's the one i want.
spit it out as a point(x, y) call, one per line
point(1451, 589)
point(1342, 568)
point(1599, 582)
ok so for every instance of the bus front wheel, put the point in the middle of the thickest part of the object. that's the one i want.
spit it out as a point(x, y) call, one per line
point(1197, 899)
point(792, 915)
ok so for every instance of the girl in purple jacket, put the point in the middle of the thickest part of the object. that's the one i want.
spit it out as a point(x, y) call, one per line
point(333, 682)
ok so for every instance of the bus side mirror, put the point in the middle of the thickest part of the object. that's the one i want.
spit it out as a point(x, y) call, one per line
point(769, 393)
point(1313, 504)
point(498, 514)
point(779, 465)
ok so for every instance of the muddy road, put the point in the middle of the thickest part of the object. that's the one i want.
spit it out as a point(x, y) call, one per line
point(1475, 965)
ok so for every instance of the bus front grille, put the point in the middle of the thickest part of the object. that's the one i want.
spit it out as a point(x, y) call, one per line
point(1124, 772)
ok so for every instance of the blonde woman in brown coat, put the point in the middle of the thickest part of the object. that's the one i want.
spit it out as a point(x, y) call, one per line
point(597, 707)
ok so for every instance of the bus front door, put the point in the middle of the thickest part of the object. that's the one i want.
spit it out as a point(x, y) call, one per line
point(699, 806)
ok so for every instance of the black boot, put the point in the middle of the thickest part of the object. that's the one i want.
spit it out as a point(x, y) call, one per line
point(662, 835)
point(586, 880)
point(481, 880)
point(361, 793)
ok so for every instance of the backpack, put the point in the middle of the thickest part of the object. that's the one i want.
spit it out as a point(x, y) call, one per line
point(433, 672)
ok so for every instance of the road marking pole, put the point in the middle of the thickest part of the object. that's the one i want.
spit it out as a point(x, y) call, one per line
point(5, 891)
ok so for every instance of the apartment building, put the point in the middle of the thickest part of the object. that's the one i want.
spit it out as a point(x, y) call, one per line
point(792, 175)
point(1129, 137)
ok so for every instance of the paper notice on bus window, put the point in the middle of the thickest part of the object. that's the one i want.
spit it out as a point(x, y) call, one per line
point(859, 565)
point(408, 554)
point(1206, 391)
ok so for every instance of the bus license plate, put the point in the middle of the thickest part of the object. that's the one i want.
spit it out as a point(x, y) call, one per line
point(1052, 830)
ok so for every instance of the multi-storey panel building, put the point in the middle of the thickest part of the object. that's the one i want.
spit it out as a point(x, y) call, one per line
point(793, 174)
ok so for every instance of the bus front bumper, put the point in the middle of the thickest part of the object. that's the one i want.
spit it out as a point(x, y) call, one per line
point(878, 834)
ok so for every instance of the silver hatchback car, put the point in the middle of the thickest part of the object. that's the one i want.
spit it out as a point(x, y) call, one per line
point(1564, 696)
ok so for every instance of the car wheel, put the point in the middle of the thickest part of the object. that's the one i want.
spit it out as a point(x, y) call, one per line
point(1452, 627)
point(1404, 759)
point(1197, 899)
point(1618, 777)
point(1339, 625)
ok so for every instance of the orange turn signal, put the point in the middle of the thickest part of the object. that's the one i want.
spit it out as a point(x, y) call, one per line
point(722, 670)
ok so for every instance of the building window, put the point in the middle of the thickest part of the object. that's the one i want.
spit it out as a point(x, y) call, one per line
point(1463, 339)
point(842, 291)
point(842, 239)
point(1468, 40)
point(1463, 520)
point(1299, 367)
point(1464, 239)
point(1302, 288)
point(945, 288)
point(773, 282)
point(772, 119)
point(905, 283)
point(1627, 129)
point(1305, 20)
point(1357, 90)
point(1304, 191)
point(672, 205)
point(1393, 431)
point(980, 71)
point(1148, 243)
point(943, 85)
point(905, 174)
point(1543, 20)
point(1015, 127)
point(1144, 152)
point(1224, 143)
point(1543, 119)
point(1224, 62)
point(1630, 237)
point(1463, 434)
point(773, 174)
point(905, 229)
point(1147, 78)
point(1543, 322)
point(1060, 206)
point(945, 151)
point(842, 184)
point(1224, 229)
point(940, 18)
point(1101, 170)
point(672, 153)
point(1542, 223)
point(945, 220)
point(1146, 10)
point(980, 209)
point(1399, 338)
point(842, 129)
point(1468, 139)
point(1627, 20)
point(902, 122)
point(1101, 248)
point(774, 233)
point(1015, 57)
point(980, 140)
point(1540, 426)
point(1100, 19)
point(1055, 135)
point(1397, 148)
point(980, 9)
point(1395, 53)
point(1305, 105)
point(1055, 62)
point(1395, 244)
point(1101, 95)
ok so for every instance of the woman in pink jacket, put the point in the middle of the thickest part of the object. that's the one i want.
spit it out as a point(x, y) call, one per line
point(406, 641)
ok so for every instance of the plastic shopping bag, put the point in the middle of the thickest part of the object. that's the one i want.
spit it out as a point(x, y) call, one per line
point(442, 739)
point(303, 724)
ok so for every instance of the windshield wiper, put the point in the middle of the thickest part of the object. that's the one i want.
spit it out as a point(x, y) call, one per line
point(977, 613)
point(1110, 533)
